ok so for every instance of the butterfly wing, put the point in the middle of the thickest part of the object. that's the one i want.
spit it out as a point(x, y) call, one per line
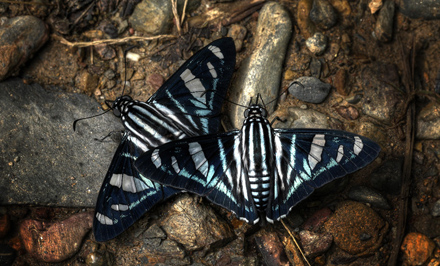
point(193, 96)
point(307, 159)
point(125, 194)
point(194, 109)
point(210, 166)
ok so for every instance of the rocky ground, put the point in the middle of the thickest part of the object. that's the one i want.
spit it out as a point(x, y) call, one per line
point(366, 66)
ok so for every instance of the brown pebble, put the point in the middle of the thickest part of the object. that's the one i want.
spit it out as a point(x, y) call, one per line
point(417, 248)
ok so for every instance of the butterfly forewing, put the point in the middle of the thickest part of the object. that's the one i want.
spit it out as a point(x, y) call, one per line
point(188, 104)
point(307, 159)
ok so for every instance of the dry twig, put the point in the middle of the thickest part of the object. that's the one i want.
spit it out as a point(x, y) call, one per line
point(111, 41)
point(296, 243)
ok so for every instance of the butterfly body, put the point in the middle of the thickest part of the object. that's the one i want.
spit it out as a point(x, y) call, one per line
point(259, 173)
point(188, 104)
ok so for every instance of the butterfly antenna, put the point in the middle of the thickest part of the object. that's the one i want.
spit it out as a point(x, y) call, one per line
point(77, 120)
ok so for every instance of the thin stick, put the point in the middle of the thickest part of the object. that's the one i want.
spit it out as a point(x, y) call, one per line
point(176, 16)
point(296, 243)
point(183, 13)
point(111, 41)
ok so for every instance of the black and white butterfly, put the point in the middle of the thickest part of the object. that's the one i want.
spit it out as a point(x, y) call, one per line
point(187, 105)
point(258, 172)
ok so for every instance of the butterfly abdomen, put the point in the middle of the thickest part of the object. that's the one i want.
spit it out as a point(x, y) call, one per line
point(258, 154)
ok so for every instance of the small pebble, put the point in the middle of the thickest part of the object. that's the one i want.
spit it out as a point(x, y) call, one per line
point(339, 82)
point(323, 14)
point(354, 99)
point(318, 218)
point(315, 67)
point(375, 5)
point(384, 24)
point(368, 195)
point(238, 33)
point(349, 113)
point(315, 243)
point(317, 43)
point(417, 248)
point(435, 210)
point(309, 89)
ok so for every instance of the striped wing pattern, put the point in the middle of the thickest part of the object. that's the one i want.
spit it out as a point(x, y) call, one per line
point(214, 166)
point(187, 105)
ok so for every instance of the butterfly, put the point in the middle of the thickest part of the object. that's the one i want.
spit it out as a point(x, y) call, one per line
point(259, 173)
point(188, 104)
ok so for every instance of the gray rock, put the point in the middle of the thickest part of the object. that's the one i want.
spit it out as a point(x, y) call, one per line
point(428, 122)
point(323, 14)
point(309, 89)
point(315, 67)
point(368, 195)
point(388, 177)
point(261, 71)
point(42, 160)
point(384, 24)
point(425, 9)
point(20, 38)
point(156, 16)
point(435, 210)
point(317, 43)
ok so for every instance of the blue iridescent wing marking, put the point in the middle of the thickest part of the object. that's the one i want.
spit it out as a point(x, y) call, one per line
point(307, 159)
point(188, 104)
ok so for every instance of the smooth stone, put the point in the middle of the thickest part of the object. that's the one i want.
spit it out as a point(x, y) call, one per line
point(323, 14)
point(375, 5)
point(383, 30)
point(271, 248)
point(368, 195)
point(315, 67)
point(20, 38)
point(347, 112)
point(428, 122)
point(45, 162)
point(425, 9)
point(156, 16)
point(261, 72)
point(309, 89)
point(317, 43)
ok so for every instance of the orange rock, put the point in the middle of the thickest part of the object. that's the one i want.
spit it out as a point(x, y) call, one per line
point(58, 241)
point(417, 248)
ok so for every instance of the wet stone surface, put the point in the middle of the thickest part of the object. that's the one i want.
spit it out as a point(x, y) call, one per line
point(309, 89)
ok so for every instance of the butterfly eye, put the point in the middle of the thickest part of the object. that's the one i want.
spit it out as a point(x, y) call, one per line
point(263, 112)
point(246, 113)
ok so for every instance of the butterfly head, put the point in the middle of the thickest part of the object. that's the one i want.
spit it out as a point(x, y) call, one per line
point(255, 110)
point(119, 104)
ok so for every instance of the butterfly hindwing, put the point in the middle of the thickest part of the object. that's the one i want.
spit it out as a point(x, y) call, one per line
point(188, 104)
point(209, 166)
